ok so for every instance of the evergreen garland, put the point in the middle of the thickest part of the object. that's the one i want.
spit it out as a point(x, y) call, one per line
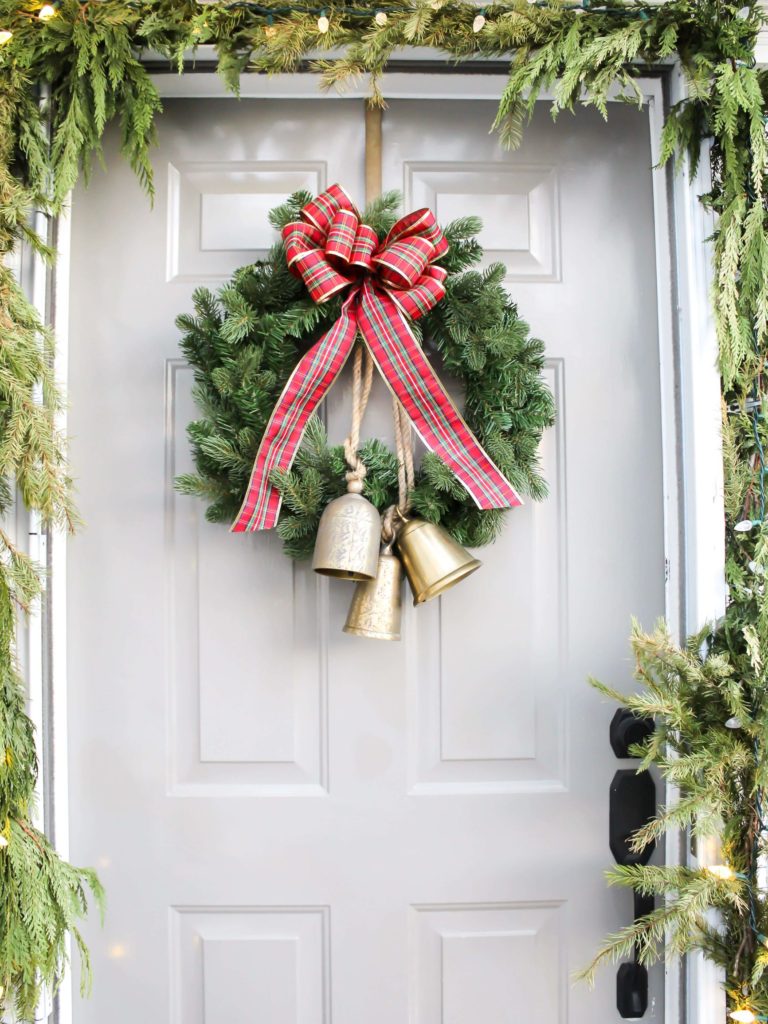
point(245, 343)
point(720, 773)
point(41, 896)
point(89, 55)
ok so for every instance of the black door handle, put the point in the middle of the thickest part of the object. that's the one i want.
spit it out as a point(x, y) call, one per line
point(632, 805)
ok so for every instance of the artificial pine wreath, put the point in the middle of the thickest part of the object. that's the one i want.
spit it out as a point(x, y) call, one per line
point(245, 341)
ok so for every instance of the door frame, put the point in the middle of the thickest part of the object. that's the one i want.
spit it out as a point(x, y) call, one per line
point(690, 412)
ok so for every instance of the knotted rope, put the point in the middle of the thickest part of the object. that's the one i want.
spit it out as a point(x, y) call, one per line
point(362, 380)
point(361, 390)
point(405, 473)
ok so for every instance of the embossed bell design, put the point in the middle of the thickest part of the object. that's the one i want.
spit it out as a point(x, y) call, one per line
point(432, 559)
point(347, 545)
point(375, 608)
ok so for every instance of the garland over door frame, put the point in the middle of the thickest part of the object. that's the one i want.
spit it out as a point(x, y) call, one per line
point(689, 391)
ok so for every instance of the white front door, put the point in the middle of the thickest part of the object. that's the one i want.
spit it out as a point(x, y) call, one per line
point(299, 827)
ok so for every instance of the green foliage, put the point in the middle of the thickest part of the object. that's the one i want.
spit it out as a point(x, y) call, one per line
point(245, 341)
point(720, 775)
point(41, 895)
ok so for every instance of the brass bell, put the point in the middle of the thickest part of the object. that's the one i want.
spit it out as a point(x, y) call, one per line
point(347, 545)
point(432, 559)
point(375, 608)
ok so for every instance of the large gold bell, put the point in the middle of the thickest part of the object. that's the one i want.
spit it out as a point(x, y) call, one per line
point(347, 544)
point(375, 608)
point(432, 559)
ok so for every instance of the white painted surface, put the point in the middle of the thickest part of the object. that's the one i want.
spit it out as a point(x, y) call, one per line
point(449, 790)
point(704, 514)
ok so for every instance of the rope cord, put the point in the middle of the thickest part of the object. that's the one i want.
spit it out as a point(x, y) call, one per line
point(362, 379)
point(405, 472)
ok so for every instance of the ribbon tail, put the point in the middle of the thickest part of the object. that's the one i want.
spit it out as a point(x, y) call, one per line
point(307, 386)
point(409, 375)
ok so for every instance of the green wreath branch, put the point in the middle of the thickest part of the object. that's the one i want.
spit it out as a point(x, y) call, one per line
point(89, 56)
point(245, 342)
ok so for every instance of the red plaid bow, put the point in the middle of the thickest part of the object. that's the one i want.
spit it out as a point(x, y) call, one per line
point(330, 250)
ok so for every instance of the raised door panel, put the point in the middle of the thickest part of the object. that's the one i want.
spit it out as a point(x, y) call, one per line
point(248, 677)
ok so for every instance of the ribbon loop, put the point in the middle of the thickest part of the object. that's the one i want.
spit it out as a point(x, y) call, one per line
point(320, 210)
point(342, 235)
point(331, 250)
point(366, 244)
point(401, 264)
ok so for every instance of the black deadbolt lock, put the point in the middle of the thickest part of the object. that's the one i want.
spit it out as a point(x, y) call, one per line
point(626, 729)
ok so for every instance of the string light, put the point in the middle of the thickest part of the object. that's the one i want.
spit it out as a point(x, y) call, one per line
point(381, 18)
point(733, 723)
point(479, 23)
point(745, 525)
point(743, 1016)
point(323, 24)
point(5, 36)
point(46, 12)
point(3, 842)
point(721, 871)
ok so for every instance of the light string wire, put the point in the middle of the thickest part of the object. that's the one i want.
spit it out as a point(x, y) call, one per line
point(340, 13)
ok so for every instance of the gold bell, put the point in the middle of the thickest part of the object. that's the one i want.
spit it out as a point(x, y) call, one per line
point(375, 608)
point(432, 559)
point(347, 545)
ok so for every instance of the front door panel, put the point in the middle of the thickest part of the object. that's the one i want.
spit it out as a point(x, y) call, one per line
point(296, 826)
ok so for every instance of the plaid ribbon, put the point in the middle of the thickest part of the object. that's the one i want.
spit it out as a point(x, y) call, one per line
point(330, 250)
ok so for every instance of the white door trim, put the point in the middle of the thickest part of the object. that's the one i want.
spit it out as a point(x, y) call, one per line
point(690, 404)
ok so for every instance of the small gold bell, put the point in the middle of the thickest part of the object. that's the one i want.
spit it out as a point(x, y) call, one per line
point(347, 545)
point(375, 608)
point(432, 559)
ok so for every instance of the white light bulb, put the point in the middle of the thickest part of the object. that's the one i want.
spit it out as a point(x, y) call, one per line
point(323, 24)
point(742, 1016)
point(46, 12)
point(479, 23)
point(3, 842)
point(744, 526)
point(5, 36)
point(733, 723)
point(381, 18)
point(723, 872)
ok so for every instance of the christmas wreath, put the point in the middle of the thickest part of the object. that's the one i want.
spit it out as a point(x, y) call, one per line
point(246, 341)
